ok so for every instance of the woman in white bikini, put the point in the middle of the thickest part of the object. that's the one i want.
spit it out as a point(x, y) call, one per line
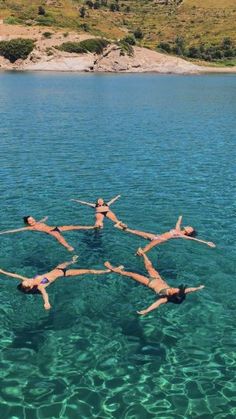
point(178, 232)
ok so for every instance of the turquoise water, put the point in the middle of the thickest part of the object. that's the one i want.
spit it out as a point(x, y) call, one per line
point(167, 145)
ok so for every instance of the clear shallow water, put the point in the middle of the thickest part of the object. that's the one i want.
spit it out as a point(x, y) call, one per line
point(167, 144)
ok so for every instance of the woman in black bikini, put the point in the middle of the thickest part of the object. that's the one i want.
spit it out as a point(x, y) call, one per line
point(33, 225)
point(102, 209)
point(154, 281)
point(39, 283)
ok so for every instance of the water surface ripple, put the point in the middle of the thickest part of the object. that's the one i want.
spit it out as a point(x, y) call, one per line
point(167, 144)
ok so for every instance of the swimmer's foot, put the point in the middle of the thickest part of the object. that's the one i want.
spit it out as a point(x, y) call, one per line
point(75, 258)
point(113, 268)
point(70, 248)
point(117, 225)
point(121, 225)
point(140, 252)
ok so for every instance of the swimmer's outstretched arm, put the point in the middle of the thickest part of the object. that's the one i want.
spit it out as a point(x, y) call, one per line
point(178, 224)
point(210, 244)
point(153, 306)
point(22, 278)
point(15, 230)
point(44, 294)
point(113, 200)
point(43, 220)
point(84, 203)
point(194, 289)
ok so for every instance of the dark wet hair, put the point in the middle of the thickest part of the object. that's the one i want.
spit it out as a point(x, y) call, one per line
point(193, 234)
point(26, 219)
point(178, 297)
point(27, 290)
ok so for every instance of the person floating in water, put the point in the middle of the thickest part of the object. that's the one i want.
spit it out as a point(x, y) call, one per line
point(102, 209)
point(177, 233)
point(154, 281)
point(39, 283)
point(33, 225)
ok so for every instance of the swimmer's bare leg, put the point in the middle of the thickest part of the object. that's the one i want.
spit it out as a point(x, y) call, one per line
point(149, 246)
point(147, 236)
point(99, 220)
point(149, 266)
point(61, 240)
point(64, 265)
point(71, 228)
point(137, 277)
point(114, 218)
point(74, 272)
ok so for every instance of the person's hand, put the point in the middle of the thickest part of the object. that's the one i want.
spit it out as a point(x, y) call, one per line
point(142, 312)
point(210, 244)
point(201, 287)
point(47, 306)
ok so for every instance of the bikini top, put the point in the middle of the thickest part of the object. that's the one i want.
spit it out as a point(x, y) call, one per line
point(174, 233)
point(43, 280)
point(103, 205)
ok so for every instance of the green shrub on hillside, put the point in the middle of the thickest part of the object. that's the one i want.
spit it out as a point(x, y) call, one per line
point(210, 52)
point(96, 45)
point(164, 46)
point(73, 47)
point(88, 45)
point(129, 39)
point(125, 48)
point(45, 20)
point(11, 20)
point(47, 35)
point(138, 34)
point(16, 48)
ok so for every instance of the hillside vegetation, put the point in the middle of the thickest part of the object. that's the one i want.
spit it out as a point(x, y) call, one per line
point(198, 26)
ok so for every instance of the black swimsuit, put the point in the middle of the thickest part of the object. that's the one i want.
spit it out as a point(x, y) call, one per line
point(63, 270)
point(56, 229)
point(102, 212)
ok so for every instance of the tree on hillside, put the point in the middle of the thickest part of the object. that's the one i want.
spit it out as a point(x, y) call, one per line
point(41, 11)
point(82, 12)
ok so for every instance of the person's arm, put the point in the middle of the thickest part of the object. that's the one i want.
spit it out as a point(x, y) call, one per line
point(178, 224)
point(43, 220)
point(194, 289)
point(16, 230)
point(210, 244)
point(84, 202)
point(113, 200)
point(44, 294)
point(22, 278)
point(153, 306)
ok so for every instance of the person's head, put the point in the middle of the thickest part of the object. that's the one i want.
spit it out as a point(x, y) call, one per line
point(29, 220)
point(100, 201)
point(189, 231)
point(27, 283)
point(176, 295)
point(28, 289)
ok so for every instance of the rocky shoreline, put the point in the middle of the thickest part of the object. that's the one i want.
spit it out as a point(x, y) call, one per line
point(45, 57)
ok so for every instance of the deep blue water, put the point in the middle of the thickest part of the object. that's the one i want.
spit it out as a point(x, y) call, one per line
point(167, 145)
